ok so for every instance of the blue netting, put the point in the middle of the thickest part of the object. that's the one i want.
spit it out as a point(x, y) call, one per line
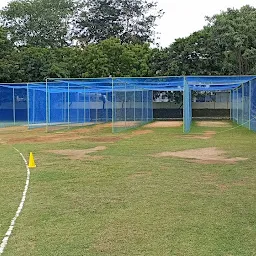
point(128, 104)
point(253, 105)
point(13, 105)
point(243, 105)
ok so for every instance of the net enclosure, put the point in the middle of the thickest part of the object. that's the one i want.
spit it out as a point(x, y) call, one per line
point(125, 102)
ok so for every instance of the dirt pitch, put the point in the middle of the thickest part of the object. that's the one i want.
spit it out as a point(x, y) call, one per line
point(163, 124)
point(210, 155)
point(213, 124)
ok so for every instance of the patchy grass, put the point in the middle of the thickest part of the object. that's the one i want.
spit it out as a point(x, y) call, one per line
point(129, 203)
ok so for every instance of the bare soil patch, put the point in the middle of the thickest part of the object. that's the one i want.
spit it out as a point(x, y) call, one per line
point(79, 154)
point(127, 123)
point(213, 124)
point(210, 155)
point(163, 124)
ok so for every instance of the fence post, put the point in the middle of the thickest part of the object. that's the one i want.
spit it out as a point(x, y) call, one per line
point(28, 105)
point(13, 106)
point(142, 104)
point(106, 107)
point(134, 104)
point(237, 108)
point(113, 105)
point(242, 103)
point(84, 107)
point(68, 106)
point(125, 104)
point(250, 103)
point(46, 104)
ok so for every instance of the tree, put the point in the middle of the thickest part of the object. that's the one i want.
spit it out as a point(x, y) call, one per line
point(110, 57)
point(234, 34)
point(132, 21)
point(38, 22)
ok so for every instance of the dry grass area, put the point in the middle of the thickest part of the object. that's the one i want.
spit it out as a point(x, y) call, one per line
point(211, 155)
point(164, 124)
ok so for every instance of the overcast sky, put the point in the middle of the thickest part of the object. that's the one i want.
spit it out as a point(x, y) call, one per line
point(183, 17)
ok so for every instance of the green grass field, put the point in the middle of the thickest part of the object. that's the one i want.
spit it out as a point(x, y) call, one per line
point(125, 201)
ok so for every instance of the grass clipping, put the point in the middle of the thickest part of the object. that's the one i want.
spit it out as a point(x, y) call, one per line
point(210, 155)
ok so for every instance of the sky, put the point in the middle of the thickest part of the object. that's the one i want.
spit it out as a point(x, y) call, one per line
point(183, 17)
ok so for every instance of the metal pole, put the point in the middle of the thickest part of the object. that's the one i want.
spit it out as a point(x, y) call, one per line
point(65, 107)
point(106, 107)
point(68, 106)
point(134, 104)
point(28, 105)
point(237, 114)
point(113, 106)
point(13, 107)
point(242, 103)
point(152, 105)
point(147, 106)
point(49, 106)
point(142, 103)
point(77, 108)
point(250, 103)
point(125, 105)
point(89, 107)
point(96, 108)
point(84, 107)
point(46, 104)
point(230, 104)
point(34, 100)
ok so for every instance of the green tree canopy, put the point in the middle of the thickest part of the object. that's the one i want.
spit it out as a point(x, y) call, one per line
point(38, 22)
point(132, 21)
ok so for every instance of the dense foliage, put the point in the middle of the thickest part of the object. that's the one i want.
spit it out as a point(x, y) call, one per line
point(36, 41)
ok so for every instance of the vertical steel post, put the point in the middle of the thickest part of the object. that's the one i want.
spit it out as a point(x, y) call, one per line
point(89, 107)
point(113, 106)
point(34, 100)
point(68, 107)
point(147, 105)
point(96, 108)
point(106, 107)
point(125, 105)
point(142, 104)
point(242, 103)
point(46, 104)
point(13, 107)
point(134, 105)
point(28, 105)
point(237, 105)
point(250, 103)
point(84, 107)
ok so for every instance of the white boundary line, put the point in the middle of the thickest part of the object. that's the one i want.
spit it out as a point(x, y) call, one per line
point(9, 231)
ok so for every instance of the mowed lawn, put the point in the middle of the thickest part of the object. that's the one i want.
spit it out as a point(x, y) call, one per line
point(123, 200)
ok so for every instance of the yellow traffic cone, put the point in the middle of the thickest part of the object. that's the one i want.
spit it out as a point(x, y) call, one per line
point(31, 163)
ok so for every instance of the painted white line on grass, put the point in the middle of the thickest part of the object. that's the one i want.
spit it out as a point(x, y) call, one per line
point(9, 232)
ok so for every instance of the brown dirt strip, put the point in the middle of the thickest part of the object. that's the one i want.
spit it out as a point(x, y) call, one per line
point(210, 155)
point(213, 124)
point(162, 124)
